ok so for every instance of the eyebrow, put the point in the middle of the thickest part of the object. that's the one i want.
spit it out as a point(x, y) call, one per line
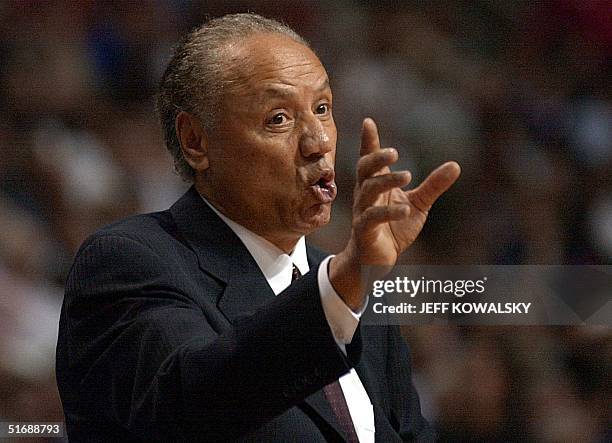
point(275, 91)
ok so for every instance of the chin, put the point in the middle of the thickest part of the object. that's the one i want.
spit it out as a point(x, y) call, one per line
point(316, 218)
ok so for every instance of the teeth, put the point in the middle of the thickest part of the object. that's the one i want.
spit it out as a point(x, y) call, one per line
point(325, 184)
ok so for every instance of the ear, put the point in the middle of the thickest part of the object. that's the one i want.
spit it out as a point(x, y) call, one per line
point(193, 140)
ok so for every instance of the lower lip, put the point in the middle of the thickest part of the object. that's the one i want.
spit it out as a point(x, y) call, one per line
point(324, 195)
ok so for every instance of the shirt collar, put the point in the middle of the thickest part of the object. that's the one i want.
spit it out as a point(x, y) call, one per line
point(276, 265)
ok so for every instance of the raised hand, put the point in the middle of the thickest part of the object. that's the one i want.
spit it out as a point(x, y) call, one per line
point(386, 218)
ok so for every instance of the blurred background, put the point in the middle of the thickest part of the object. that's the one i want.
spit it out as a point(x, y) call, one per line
point(518, 93)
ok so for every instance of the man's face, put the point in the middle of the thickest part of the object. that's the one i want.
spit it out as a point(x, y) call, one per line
point(272, 153)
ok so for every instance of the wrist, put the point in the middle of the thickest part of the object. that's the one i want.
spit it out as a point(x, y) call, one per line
point(346, 278)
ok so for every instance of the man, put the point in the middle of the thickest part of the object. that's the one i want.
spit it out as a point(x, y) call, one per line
point(213, 321)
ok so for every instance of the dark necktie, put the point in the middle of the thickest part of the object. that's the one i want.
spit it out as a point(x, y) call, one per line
point(335, 396)
point(296, 274)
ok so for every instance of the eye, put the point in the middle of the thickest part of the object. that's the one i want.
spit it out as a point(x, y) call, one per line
point(278, 119)
point(322, 109)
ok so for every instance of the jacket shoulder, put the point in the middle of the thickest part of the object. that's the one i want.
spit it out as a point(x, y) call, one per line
point(142, 251)
point(146, 229)
point(138, 246)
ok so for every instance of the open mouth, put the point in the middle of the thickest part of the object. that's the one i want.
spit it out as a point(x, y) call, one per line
point(324, 188)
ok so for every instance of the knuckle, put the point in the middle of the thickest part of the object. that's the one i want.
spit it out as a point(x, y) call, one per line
point(366, 215)
point(371, 162)
point(358, 223)
point(362, 162)
point(368, 186)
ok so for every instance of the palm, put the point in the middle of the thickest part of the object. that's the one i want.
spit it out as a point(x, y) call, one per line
point(404, 232)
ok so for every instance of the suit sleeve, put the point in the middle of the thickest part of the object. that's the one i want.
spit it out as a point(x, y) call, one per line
point(135, 351)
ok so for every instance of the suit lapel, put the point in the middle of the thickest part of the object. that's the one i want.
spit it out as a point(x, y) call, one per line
point(244, 294)
point(221, 254)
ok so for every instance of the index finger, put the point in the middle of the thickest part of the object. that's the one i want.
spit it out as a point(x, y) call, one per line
point(370, 142)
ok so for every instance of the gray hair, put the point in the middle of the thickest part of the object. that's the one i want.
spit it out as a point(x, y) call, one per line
point(193, 79)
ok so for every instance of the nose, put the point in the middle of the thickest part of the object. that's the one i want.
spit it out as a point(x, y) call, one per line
point(316, 140)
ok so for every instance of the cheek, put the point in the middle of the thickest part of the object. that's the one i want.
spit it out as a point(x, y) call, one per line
point(271, 173)
point(332, 136)
point(266, 163)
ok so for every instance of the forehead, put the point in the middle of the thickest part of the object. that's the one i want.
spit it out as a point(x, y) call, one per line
point(273, 64)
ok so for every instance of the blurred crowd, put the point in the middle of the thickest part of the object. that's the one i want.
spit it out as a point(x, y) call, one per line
point(519, 93)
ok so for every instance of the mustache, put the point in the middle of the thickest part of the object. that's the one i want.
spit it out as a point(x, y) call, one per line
point(322, 172)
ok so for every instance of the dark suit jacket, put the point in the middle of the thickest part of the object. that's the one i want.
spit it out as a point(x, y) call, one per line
point(169, 331)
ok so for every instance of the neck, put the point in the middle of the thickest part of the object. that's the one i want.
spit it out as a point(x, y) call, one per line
point(284, 241)
point(287, 245)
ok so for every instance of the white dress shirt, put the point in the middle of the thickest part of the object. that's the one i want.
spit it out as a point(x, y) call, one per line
point(277, 267)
